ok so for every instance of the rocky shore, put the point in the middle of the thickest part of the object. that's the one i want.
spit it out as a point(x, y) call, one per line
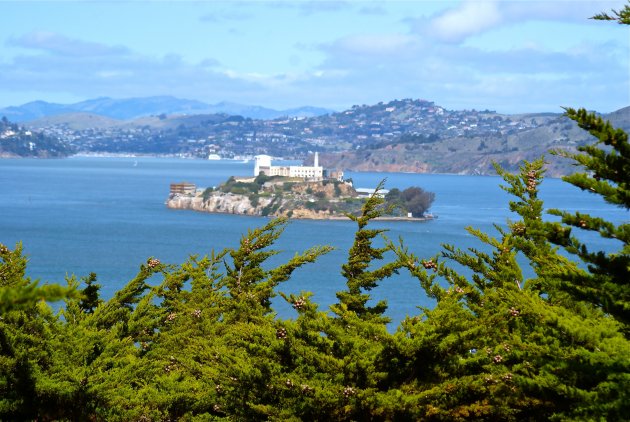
point(229, 203)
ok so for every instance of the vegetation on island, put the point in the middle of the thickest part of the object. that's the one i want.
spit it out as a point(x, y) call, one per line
point(282, 196)
point(413, 200)
point(531, 325)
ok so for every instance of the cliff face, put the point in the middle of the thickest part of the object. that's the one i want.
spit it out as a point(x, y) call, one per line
point(229, 203)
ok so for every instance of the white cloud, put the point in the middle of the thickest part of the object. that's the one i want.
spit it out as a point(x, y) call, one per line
point(473, 17)
point(87, 70)
point(364, 67)
point(460, 76)
point(470, 18)
point(60, 45)
point(357, 70)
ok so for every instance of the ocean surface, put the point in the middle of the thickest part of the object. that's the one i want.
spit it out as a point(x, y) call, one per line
point(107, 215)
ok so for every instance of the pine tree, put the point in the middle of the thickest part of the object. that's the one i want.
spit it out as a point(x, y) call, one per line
point(622, 17)
point(359, 277)
point(16, 290)
point(607, 282)
point(606, 173)
point(502, 345)
point(27, 325)
point(90, 299)
point(216, 350)
point(333, 363)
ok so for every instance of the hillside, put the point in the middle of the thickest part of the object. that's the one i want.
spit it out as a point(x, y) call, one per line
point(468, 154)
point(17, 141)
point(621, 118)
point(76, 121)
point(401, 135)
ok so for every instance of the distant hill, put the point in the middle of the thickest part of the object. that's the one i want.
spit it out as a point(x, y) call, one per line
point(18, 141)
point(75, 121)
point(262, 113)
point(475, 153)
point(132, 108)
point(33, 110)
point(407, 135)
point(620, 118)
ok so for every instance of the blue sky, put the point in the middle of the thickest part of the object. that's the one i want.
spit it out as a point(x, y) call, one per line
point(509, 56)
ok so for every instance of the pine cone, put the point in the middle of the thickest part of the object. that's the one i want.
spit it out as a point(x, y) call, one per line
point(299, 303)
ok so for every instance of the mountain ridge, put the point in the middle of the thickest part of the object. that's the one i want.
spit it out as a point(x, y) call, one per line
point(133, 108)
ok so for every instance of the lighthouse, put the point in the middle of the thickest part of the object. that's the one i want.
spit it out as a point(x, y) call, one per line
point(262, 163)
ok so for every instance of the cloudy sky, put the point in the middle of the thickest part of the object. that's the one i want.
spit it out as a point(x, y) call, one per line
point(509, 56)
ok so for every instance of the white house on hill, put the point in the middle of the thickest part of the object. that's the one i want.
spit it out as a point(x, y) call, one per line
point(263, 165)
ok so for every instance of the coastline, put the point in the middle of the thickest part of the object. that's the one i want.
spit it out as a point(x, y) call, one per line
point(191, 206)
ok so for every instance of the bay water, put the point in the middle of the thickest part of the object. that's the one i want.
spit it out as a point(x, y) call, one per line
point(107, 215)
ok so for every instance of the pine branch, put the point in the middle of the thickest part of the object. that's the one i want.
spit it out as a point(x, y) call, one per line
point(622, 17)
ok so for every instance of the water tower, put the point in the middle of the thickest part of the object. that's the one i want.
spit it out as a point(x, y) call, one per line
point(261, 161)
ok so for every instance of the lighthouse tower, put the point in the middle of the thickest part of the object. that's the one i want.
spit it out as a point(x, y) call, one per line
point(262, 163)
point(316, 160)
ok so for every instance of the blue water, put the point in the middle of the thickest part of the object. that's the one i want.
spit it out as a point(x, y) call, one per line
point(107, 215)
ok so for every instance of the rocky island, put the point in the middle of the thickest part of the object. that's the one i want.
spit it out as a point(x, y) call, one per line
point(305, 192)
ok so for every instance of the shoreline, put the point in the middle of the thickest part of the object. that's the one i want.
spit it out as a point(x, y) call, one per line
point(329, 218)
point(106, 155)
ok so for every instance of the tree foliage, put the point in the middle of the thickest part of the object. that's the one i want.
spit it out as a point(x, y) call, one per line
point(606, 165)
point(414, 200)
point(520, 330)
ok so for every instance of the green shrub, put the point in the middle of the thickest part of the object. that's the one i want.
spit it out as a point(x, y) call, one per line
point(207, 193)
point(337, 189)
point(253, 199)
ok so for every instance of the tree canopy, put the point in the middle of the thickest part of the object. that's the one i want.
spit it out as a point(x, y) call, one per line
point(201, 341)
point(414, 200)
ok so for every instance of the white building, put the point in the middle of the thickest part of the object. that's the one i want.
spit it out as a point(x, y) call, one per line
point(263, 165)
point(367, 192)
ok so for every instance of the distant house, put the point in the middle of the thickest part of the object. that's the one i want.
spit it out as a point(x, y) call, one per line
point(334, 175)
point(183, 188)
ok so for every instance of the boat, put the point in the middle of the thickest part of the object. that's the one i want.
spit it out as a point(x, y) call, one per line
point(214, 157)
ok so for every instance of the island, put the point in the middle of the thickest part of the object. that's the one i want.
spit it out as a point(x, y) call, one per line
point(301, 192)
